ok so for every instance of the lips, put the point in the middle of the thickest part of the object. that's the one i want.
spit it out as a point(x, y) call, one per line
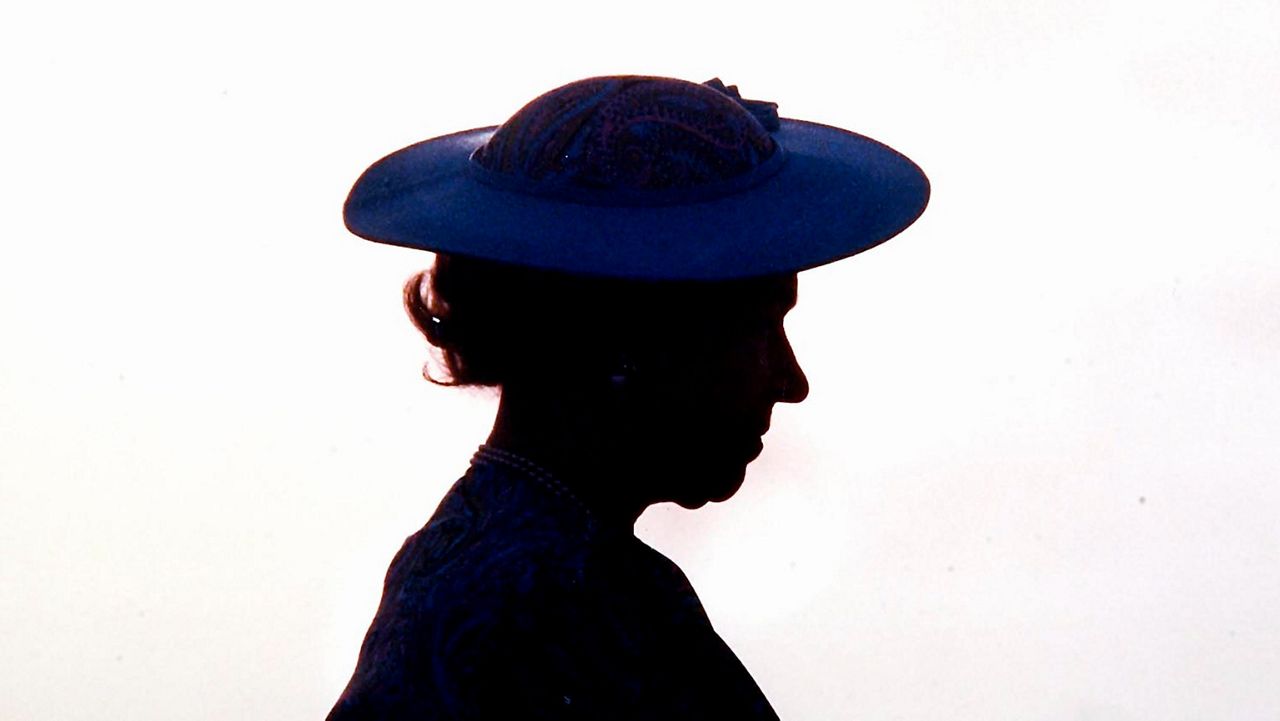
point(757, 444)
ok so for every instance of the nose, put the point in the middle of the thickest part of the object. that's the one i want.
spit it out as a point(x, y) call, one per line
point(793, 385)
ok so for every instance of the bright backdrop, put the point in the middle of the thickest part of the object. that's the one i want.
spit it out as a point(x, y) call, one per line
point(1037, 477)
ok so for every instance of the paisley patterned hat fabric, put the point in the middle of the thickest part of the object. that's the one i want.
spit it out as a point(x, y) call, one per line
point(645, 178)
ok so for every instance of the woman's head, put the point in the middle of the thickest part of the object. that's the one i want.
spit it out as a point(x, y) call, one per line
point(687, 371)
point(497, 324)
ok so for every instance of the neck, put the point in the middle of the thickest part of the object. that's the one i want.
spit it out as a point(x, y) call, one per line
point(579, 440)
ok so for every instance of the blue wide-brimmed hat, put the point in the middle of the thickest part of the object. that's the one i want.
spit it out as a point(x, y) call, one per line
point(645, 178)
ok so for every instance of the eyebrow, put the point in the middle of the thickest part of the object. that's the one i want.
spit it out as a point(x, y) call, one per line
point(780, 305)
point(788, 298)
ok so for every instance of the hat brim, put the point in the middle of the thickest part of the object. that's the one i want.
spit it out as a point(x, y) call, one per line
point(838, 193)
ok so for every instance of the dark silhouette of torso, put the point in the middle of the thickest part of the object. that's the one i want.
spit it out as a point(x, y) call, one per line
point(513, 602)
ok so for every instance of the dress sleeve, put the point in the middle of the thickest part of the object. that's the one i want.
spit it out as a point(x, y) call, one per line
point(535, 658)
point(542, 641)
point(572, 653)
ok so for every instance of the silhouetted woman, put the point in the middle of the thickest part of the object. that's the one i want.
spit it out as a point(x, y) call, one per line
point(617, 258)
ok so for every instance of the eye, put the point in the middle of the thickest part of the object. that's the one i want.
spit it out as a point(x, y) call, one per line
point(755, 331)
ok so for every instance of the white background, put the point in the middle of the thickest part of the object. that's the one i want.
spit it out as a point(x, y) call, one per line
point(1036, 477)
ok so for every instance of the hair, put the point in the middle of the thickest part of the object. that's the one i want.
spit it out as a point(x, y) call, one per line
point(494, 323)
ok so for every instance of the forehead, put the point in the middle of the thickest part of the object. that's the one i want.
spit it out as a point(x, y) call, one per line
point(769, 294)
point(683, 307)
point(785, 291)
point(765, 297)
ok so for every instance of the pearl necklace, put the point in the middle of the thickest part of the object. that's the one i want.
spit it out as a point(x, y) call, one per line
point(533, 470)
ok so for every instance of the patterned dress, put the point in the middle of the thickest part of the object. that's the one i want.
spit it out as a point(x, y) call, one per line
point(514, 603)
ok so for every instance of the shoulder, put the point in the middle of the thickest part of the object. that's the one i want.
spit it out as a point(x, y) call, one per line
point(470, 617)
point(473, 647)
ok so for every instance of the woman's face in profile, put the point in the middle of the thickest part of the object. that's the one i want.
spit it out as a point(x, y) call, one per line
point(713, 399)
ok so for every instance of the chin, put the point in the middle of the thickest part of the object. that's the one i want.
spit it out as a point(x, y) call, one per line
point(695, 502)
point(726, 496)
point(714, 477)
point(726, 487)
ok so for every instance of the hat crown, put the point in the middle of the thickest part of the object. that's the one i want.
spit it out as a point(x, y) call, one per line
point(631, 133)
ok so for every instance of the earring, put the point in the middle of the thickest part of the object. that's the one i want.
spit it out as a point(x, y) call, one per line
point(623, 374)
point(437, 331)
